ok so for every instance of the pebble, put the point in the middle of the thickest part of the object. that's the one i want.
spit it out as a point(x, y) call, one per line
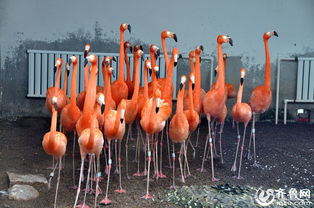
point(22, 192)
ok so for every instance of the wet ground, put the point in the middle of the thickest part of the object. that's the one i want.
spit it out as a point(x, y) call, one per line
point(285, 153)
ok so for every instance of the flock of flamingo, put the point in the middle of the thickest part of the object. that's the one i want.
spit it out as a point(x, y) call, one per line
point(99, 114)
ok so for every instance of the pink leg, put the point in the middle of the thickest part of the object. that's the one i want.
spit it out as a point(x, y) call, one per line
point(120, 190)
point(242, 147)
point(58, 181)
point(116, 171)
point(255, 164)
point(149, 154)
point(186, 159)
point(211, 151)
point(80, 179)
point(220, 143)
point(198, 134)
point(173, 168)
point(234, 166)
point(97, 181)
point(161, 174)
point(138, 152)
point(73, 161)
point(52, 174)
point(87, 183)
point(180, 163)
point(204, 155)
point(106, 200)
point(126, 152)
point(167, 135)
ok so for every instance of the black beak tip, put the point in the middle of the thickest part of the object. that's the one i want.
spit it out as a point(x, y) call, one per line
point(181, 86)
point(54, 69)
point(202, 48)
point(121, 120)
point(141, 47)
point(150, 72)
point(129, 28)
point(102, 108)
point(241, 81)
point(180, 56)
point(193, 86)
point(175, 37)
point(200, 59)
point(231, 42)
point(85, 53)
point(114, 59)
point(131, 49)
point(215, 73)
point(175, 64)
point(275, 34)
point(157, 109)
point(157, 74)
point(55, 105)
point(85, 62)
point(158, 53)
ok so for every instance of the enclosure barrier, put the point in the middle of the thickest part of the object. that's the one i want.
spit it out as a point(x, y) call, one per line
point(41, 75)
point(305, 83)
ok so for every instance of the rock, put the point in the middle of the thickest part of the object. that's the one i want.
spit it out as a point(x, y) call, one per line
point(25, 179)
point(22, 192)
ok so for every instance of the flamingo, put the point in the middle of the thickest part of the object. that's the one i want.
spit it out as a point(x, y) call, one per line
point(128, 80)
point(90, 138)
point(179, 130)
point(241, 112)
point(71, 113)
point(154, 53)
point(261, 96)
point(131, 105)
point(106, 63)
point(81, 96)
point(54, 143)
point(119, 86)
point(214, 100)
point(65, 81)
point(114, 128)
point(56, 91)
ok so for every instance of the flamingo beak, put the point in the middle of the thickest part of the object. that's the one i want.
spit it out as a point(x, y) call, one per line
point(175, 38)
point(102, 108)
point(193, 86)
point(70, 62)
point(181, 86)
point(142, 58)
point(215, 73)
point(275, 34)
point(202, 48)
point(150, 72)
point(129, 28)
point(85, 62)
point(157, 109)
point(157, 74)
point(241, 80)
point(230, 42)
point(200, 59)
point(121, 120)
point(54, 69)
point(131, 49)
point(114, 59)
point(85, 53)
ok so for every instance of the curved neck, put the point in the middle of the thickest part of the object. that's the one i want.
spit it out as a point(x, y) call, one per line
point(164, 48)
point(127, 62)
point(267, 65)
point(73, 85)
point(86, 77)
point(240, 92)
point(91, 91)
point(221, 71)
point(136, 80)
point(180, 100)
point(191, 104)
point(53, 128)
point(57, 84)
point(121, 59)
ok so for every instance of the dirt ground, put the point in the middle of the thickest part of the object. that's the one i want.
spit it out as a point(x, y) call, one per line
point(285, 153)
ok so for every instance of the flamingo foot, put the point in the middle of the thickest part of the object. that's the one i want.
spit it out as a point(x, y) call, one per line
point(120, 191)
point(249, 156)
point(161, 175)
point(138, 174)
point(201, 170)
point(144, 173)
point(234, 168)
point(256, 165)
point(214, 179)
point(105, 201)
point(147, 196)
point(173, 187)
point(82, 206)
point(239, 177)
point(116, 171)
point(183, 180)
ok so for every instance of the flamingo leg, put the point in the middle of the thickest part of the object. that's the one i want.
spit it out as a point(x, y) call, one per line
point(80, 180)
point(106, 200)
point(149, 154)
point(73, 160)
point(211, 151)
point(173, 167)
point(167, 136)
point(204, 155)
point(58, 181)
point(126, 152)
point(97, 181)
point(180, 162)
point(156, 156)
point(138, 152)
point(249, 155)
point(120, 190)
point(198, 134)
point(116, 171)
point(242, 147)
point(87, 182)
point(220, 142)
point(254, 149)
point(186, 159)
point(234, 166)
point(105, 155)
point(137, 141)
point(214, 137)
point(51, 175)
point(161, 174)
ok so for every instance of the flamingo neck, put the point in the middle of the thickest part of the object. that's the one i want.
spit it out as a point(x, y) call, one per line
point(91, 91)
point(153, 61)
point(57, 84)
point(136, 80)
point(107, 90)
point(192, 65)
point(267, 65)
point(221, 71)
point(197, 90)
point(73, 85)
point(53, 128)
point(167, 91)
point(117, 122)
point(65, 82)
point(164, 48)
point(145, 84)
point(127, 62)
point(191, 104)
point(121, 62)
point(240, 92)
point(180, 100)
point(86, 77)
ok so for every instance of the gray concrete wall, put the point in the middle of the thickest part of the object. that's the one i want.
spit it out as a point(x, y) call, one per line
point(68, 25)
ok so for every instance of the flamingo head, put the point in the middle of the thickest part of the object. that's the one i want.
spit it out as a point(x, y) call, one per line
point(154, 49)
point(125, 26)
point(73, 59)
point(87, 50)
point(192, 56)
point(156, 69)
point(67, 67)
point(148, 64)
point(54, 101)
point(224, 39)
point(127, 45)
point(182, 82)
point(242, 75)
point(224, 56)
point(139, 53)
point(101, 101)
point(108, 61)
point(91, 59)
point(192, 79)
point(111, 72)
point(58, 64)
point(167, 34)
point(267, 35)
point(199, 49)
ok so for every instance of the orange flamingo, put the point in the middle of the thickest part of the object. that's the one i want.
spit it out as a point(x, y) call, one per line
point(119, 86)
point(106, 64)
point(179, 130)
point(186, 99)
point(54, 143)
point(56, 91)
point(241, 112)
point(131, 105)
point(81, 96)
point(261, 96)
point(214, 100)
point(71, 113)
point(90, 138)
point(154, 53)
point(128, 80)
